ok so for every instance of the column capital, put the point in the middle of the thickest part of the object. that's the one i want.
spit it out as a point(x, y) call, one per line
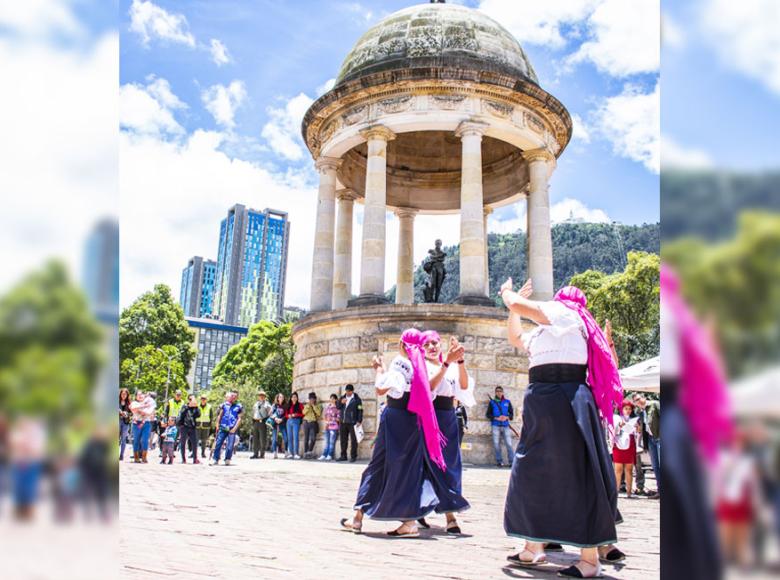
point(346, 194)
point(406, 212)
point(540, 154)
point(324, 164)
point(471, 128)
point(377, 132)
point(487, 210)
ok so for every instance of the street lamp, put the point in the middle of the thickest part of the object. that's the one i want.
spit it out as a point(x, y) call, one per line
point(170, 361)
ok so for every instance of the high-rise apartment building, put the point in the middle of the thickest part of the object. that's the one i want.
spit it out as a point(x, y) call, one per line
point(251, 266)
point(197, 287)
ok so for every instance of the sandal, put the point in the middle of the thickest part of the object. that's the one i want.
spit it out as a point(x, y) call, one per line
point(613, 556)
point(536, 560)
point(412, 533)
point(453, 528)
point(351, 526)
point(574, 572)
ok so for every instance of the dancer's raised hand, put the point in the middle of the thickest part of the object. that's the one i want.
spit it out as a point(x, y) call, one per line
point(527, 289)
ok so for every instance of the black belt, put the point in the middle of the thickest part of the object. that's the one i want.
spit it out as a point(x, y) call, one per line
point(401, 403)
point(444, 403)
point(557, 373)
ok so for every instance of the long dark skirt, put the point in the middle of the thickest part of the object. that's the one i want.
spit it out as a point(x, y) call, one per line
point(448, 484)
point(396, 484)
point(689, 544)
point(563, 484)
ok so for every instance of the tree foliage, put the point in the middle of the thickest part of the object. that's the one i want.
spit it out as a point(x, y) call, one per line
point(147, 370)
point(576, 247)
point(735, 285)
point(155, 319)
point(50, 346)
point(263, 359)
point(629, 299)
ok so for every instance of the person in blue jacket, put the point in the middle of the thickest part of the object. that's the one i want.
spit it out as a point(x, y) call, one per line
point(500, 413)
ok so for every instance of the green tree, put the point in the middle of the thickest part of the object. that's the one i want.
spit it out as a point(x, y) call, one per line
point(148, 368)
point(262, 359)
point(50, 346)
point(629, 299)
point(156, 320)
point(735, 284)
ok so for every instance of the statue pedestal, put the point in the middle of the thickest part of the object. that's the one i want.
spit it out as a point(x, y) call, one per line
point(335, 348)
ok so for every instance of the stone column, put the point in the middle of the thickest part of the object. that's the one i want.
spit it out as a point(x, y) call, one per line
point(472, 224)
point(322, 264)
point(372, 260)
point(342, 264)
point(540, 264)
point(487, 210)
point(404, 288)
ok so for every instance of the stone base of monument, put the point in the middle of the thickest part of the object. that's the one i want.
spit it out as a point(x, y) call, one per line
point(335, 348)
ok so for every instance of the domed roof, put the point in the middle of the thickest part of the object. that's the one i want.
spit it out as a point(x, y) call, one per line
point(437, 35)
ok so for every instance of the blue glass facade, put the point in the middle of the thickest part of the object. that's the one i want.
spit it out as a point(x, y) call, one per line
point(197, 287)
point(251, 266)
point(212, 341)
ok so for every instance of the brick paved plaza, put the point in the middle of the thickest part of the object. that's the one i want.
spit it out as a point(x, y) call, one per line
point(280, 519)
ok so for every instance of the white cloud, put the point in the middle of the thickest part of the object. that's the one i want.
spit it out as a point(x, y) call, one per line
point(625, 37)
point(573, 209)
point(674, 155)
point(219, 52)
point(59, 149)
point(149, 109)
point(223, 101)
point(745, 36)
point(540, 23)
point(580, 130)
point(631, 121)
point(325, 87)
point(39, 18)
point(672, 34)
point(150, 21)
point(283, 130)
point(174, 195)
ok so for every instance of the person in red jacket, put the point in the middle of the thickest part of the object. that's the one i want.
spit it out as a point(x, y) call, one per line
point(294, 416)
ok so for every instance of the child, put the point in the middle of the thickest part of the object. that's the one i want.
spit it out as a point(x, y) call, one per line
point(169, 441)
point(331, 416)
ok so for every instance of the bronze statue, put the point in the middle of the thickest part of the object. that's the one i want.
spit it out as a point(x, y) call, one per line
point(434, 267)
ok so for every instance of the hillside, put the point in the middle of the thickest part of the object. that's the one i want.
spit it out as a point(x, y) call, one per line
point(576, 247)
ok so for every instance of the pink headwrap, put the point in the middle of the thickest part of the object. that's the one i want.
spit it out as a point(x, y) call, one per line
point(420, 396)
point(603, 376)
point(703, 395)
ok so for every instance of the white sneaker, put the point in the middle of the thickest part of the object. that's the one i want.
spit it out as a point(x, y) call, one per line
point(321, 458)
point(287, 456)
point(296, 456)
point(227, 461)
point(275, 455)
point(215, 462)
point(328, 458)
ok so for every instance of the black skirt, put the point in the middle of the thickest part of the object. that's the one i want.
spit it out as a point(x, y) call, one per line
point(397, 483)
point(562, 487)
point(448, 483)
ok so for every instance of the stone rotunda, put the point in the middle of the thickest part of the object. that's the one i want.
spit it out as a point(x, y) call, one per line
point(435, 110)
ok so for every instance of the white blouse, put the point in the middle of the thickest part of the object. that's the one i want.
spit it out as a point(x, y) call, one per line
point(398, 378)
point(563, 341)
point(450, 384)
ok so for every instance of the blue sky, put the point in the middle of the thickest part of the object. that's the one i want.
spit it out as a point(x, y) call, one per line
point(223, 85)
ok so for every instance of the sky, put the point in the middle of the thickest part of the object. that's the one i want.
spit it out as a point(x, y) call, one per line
point(212, 93)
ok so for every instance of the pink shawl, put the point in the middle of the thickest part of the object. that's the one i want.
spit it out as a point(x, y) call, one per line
point(603, 376)
point(703, 395)
point(420, 397)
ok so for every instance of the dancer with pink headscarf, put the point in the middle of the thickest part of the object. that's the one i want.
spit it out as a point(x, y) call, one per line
point(562, 488)
point(397, 483)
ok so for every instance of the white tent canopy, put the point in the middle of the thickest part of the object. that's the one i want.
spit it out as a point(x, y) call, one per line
point(757, 395)
point(643, 376)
